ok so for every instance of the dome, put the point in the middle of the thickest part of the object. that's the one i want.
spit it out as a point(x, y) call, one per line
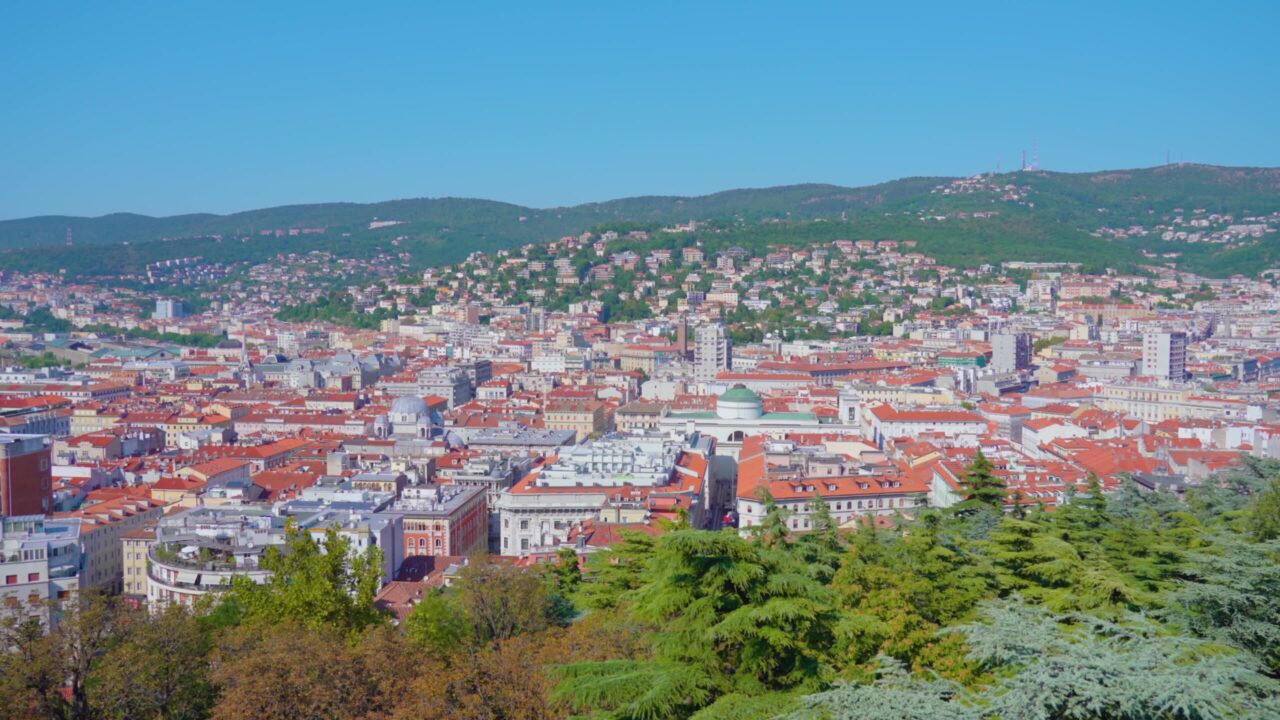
point(739, 403)
point(410, 405)
point(740, 393)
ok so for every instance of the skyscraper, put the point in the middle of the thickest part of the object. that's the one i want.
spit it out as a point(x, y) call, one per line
point(712, 352)
point(1164, 355)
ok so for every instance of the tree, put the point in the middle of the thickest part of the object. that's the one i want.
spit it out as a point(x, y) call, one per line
point(439, 624)
point(618, 570)
point(1232, 594)
point(980, 488)
point(321, 585)
point(289, 671)
point(820, 549)
point(1262, 517)
point(53, 668)
point(1077, 666)
point(503, 600)
point(158, 670)
point(727, 614)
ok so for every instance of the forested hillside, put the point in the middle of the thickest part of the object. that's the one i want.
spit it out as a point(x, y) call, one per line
point(1034, 215)
point(1130, 605)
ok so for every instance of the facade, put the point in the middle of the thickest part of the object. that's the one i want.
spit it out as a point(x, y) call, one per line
point(614, 480)
point(1164, 355)
point(102, 525)
point(583, 418)
point(26, 475)
point(197, 552)
point(39, 561)
point(712, 353)
point(168, 310)
point(798, 476)
point(1011, 352)
point(134, 545)
point(443, 520)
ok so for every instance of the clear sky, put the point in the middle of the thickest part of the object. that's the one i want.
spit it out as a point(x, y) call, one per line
point(219, 106)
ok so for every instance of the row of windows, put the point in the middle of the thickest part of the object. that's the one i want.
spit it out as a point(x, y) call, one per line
point(13, 579)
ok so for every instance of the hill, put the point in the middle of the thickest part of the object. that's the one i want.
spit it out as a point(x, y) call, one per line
point(1088, 217)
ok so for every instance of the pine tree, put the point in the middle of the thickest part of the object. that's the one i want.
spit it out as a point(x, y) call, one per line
point(980, 487)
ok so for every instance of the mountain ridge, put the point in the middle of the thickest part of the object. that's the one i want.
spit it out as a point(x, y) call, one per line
point(1053, 214)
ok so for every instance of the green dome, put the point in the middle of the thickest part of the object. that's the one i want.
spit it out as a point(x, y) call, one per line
point(739, 393)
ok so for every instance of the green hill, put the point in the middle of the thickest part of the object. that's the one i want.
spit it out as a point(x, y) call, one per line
point(1051, 218)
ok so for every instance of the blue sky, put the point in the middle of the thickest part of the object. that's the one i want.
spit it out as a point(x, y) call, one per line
point(180, 107)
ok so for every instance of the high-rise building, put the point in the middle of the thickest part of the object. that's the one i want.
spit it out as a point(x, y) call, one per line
point(26, 475)
point(1010, 352)
point(1164, 355)
point(168, 309)
point(712, 352)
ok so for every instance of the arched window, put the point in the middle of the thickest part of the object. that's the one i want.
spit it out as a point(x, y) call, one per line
point(736, 436)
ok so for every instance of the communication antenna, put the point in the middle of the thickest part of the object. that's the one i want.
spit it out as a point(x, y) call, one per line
point(1035, 154)
point(1024, 160)
point(70, 238)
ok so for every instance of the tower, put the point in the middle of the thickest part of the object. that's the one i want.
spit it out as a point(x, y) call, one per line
point(1010, 352)
point(1164, 355)
point(712, 352)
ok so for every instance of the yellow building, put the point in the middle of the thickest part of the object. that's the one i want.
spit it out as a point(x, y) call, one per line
point(585, 418)
point(134, 546)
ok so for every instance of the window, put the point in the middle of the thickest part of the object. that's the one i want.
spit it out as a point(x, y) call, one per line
point(33, 599)
point(33, 577)
point(10, 579)
point(524, 524)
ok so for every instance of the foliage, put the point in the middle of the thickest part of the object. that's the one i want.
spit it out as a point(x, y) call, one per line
point(980, 487)
point(317, 584)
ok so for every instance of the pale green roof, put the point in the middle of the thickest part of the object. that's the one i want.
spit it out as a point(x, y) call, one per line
point(740, 394)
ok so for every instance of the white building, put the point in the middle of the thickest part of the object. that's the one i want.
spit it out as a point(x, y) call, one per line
point(1164, 355)
point(712, 353)
point(1010, 352)
point(619, 479)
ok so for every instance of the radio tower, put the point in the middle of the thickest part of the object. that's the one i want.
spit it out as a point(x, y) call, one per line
point(70, 238)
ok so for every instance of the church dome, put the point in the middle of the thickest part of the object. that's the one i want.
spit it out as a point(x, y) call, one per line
point(739, 403)
point(410, 405)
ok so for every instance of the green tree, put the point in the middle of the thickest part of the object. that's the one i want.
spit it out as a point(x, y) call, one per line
point(319, 584)
point(158, 670)
point(439, 624)
point(980, 487)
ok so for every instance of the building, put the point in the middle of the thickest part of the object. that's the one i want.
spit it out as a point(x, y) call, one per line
point(134, 545)
point(102, 525)
point(832, 471)
point(585, 418)
point(615, 480)
point(444, 519)
point(168, 310)
point(712, 352)
point(197, 552)
point(739, 413)
point(1164, 355)
point(26, 478)
point(39, 561)
point(1011, 352)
